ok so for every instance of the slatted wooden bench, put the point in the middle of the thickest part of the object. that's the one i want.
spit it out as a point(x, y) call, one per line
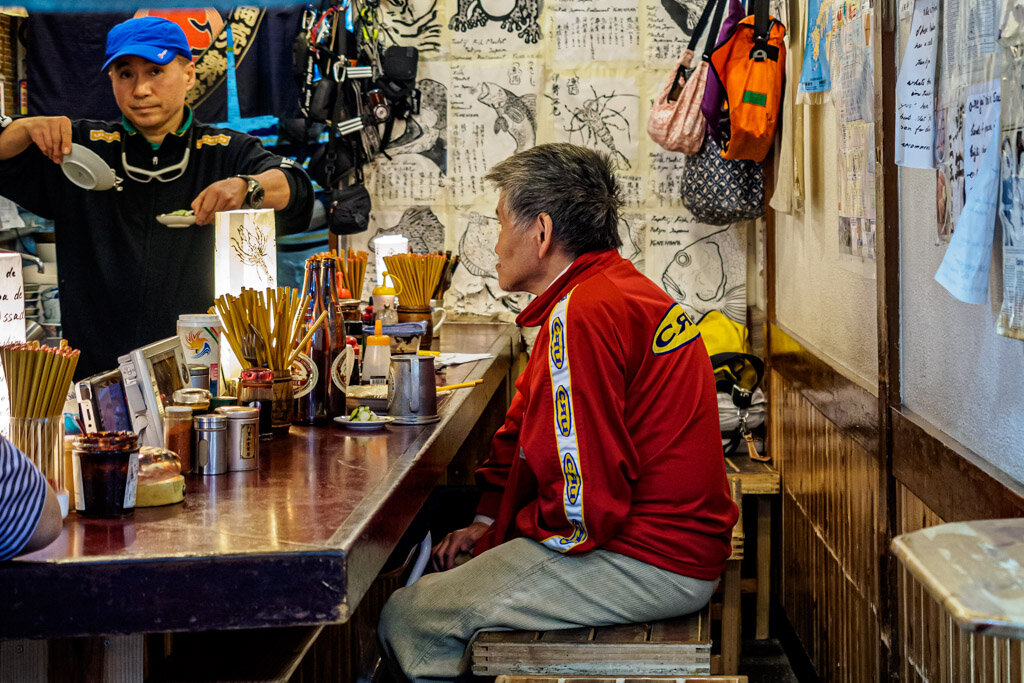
point(669, 647)
point(672, 647)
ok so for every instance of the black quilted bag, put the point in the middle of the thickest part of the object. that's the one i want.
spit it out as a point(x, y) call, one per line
point(720, 191)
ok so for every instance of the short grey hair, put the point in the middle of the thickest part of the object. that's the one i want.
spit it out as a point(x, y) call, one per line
point(574, 185)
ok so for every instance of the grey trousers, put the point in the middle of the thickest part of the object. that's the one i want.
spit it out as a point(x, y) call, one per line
point(521, 585)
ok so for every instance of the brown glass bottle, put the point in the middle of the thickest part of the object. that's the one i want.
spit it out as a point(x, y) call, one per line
point(325, 399)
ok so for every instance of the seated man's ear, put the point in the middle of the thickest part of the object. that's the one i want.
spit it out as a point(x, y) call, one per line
point(545, 229)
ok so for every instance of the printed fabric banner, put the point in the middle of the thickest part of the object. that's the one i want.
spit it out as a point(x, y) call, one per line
point(814, 76)
point(66, 51)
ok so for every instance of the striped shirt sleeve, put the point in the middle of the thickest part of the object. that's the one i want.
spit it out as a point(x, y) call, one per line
point(22, 494)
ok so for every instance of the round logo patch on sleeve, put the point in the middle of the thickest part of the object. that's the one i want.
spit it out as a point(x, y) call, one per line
point(675, 331)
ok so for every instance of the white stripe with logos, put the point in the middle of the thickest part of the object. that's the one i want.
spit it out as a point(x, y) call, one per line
point(565, 429)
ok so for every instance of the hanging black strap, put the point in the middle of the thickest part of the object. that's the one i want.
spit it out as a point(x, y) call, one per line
point(702, 23)
point(716, 25)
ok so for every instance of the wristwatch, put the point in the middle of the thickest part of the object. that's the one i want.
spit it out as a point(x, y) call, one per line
point(253, 192)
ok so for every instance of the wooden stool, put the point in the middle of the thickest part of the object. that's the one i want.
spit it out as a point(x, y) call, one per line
point(678, 647)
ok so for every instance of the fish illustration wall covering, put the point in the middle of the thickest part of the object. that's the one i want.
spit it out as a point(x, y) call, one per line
point(500, 76)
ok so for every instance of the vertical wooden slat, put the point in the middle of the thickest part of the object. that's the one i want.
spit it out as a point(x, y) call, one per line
point(23, 661)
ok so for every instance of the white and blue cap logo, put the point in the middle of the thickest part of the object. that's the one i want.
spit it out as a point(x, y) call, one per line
point(154, 38)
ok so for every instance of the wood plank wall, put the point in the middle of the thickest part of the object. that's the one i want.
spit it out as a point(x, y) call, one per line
point(830, 549)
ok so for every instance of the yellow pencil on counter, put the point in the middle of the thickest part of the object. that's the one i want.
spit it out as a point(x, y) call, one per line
point(460, 385)
point(424, 352)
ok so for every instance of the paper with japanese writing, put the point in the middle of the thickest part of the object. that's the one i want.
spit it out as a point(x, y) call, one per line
point(915, 90)
point(590, 31)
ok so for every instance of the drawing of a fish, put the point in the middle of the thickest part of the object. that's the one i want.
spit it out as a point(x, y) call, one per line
point(696, 278)
point(516, 115)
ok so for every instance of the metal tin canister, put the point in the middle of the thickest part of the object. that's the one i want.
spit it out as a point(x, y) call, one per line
point(199, 376)
point(243, 442)
point(209, 452)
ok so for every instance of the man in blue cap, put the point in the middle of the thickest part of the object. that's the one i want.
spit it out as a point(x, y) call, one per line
point(123, 276)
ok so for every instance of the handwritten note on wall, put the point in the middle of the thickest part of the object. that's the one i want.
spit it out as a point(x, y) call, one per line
point(981, 124)
point(12, 314)
point(915, 89)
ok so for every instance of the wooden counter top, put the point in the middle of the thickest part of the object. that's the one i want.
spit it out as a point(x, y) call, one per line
point(297, 541)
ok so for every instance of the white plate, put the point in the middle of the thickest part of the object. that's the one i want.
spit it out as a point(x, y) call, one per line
point(87, 169)
point(363, 425)
point(176, 221)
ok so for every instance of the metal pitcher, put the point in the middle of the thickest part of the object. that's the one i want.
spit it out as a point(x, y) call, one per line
point(412, 392)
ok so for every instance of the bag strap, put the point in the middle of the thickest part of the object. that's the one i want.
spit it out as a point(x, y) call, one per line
point(716, 26)
point(702, 22)
point(762, 27)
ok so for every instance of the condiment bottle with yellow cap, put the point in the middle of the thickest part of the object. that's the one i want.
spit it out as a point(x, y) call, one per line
point(383, 298)
point(377, 357)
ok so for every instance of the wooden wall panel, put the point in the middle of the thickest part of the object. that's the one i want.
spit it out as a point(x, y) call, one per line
point(830, 545)
point(934, 648)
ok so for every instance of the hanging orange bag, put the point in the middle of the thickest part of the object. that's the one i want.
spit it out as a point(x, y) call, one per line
point(752, 68)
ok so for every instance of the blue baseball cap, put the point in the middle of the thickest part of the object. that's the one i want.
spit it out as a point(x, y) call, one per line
point(154, 38)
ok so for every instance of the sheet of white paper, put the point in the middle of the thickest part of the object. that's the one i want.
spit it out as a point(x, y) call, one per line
point(981, 123)
point(446, 359)
point(12, 314)
point(9, 216)
point(915, 89)
point(964, 268)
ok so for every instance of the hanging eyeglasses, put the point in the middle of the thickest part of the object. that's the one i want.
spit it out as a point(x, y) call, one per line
point(162, 175)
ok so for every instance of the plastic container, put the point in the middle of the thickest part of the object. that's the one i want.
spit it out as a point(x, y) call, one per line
point(178, 434)
point(106, 473)
point(377, 359)
point(200, 340)
point(243, 444)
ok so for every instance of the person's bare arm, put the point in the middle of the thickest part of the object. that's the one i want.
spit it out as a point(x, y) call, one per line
point(229, 194)
point(51, 134)
point(49, 526)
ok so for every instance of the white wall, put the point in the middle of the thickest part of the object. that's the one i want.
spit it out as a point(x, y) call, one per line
point(828, 302)
point(957, 372)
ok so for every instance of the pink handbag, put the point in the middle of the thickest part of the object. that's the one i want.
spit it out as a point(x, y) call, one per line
point(676, 122)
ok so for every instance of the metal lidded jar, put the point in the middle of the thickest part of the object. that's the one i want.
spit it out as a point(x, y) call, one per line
point(209, 452)
point(243, 442)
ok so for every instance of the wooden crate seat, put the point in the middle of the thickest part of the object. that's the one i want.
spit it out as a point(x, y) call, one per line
point(673, 647)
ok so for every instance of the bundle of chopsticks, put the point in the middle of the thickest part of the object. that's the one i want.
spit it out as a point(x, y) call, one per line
point(38, 377)
point(450, 264)
point(262, 327)
point(419, 275)
point(352, 272)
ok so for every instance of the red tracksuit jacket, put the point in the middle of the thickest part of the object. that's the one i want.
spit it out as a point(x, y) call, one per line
point(612, 440)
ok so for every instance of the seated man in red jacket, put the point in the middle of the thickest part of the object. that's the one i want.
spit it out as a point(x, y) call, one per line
point(605, 496)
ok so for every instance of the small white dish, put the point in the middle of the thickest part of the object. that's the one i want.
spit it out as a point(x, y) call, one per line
point(87, 169)
point(363, 425)
point(176, 221)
